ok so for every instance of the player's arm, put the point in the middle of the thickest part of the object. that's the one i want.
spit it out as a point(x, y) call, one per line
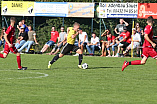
point(6, 39)
point(74, 35)
point(68, 30)
point(147, 38)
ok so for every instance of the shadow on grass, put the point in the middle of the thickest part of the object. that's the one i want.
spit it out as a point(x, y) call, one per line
point(103, 67)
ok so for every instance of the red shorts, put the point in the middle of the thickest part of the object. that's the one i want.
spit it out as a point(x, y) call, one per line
point(12, 49)
point(147, 51)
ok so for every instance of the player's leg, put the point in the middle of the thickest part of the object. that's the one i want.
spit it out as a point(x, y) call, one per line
point(19, 62)
point(6, 51)
point(136, 62)
point(66, 49)
point(93, 48)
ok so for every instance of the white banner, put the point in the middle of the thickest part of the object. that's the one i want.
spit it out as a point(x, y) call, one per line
point(118, 10)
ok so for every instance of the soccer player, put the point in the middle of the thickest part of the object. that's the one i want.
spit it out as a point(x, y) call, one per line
point(69, 46)
point(148, 46)
point(9, 38)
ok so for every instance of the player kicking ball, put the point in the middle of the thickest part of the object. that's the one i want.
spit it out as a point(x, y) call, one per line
point(9, 38)
point(69, 46)
point(148, 46)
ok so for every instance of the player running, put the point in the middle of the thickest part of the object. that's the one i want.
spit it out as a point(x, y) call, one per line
point(148, 46)
point(9, 38)
point(69, 46)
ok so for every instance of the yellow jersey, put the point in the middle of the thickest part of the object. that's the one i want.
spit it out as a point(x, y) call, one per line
point(70, 40)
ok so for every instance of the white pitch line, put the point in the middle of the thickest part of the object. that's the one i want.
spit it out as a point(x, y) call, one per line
point(43, 75)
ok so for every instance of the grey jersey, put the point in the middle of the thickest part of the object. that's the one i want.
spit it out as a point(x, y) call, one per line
point(120, 27)
point(61, 35)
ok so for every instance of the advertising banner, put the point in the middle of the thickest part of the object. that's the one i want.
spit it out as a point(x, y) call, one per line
point(54, 9)
point(118, 10)
point(17, 8)
point(147, 9)
point(81, 10)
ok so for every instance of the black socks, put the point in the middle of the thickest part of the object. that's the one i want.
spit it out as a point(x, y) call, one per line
point(55, 59)
point(80, 58)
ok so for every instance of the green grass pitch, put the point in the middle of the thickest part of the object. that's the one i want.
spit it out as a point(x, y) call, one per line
point(64, 83)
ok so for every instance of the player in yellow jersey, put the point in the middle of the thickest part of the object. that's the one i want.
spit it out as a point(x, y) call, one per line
point(69, 46)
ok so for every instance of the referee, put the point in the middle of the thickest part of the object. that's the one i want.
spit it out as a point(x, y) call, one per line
point(69, 46)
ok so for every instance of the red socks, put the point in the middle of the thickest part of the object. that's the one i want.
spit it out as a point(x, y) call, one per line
point(136, 62)
point(1, 55)
point(19, 62)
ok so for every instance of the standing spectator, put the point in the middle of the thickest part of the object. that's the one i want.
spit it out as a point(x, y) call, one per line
point(111, 43)
point(60, 43)
point(52, 41)
point(136, 41)
point(83, 40)
point(2, 41)
point(30, 41)
point(23, 25)
point(120, 27)
point(125, 41)
point(93, 45)
point(21, 39)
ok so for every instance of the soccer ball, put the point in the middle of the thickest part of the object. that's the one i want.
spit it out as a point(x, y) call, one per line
point(84, 65)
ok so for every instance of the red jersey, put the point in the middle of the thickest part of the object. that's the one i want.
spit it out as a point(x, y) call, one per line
point(148, 30)
point(111, 38)
point(11, 33)
point(127, 34)
point(54, 36)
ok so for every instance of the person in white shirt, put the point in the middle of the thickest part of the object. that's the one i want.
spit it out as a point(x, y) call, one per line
point(135, 43)
point(83, 39)
point(95, 44)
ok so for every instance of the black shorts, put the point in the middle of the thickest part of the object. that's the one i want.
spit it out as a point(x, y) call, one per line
point(69, 47)
point(125, 44)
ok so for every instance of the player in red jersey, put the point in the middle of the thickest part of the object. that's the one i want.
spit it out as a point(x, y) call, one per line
point(148, 46)
point(9, 38)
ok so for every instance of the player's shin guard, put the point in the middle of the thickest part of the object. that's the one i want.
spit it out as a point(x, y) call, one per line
point(19, 62)
point(80, 58)
point(1, 55)
point(136, 62)
point(55, 59)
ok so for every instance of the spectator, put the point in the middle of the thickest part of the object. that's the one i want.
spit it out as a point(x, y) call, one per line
point(140, 31)
point(111, 43)
point(52, 41)
point(93, 45)
point(125, 41)
point(30, 41)
point(136, 41)
point(120, 27)
point(22, 25)
point(2, 41)
point(104, 42)
point(21, 39)
point(61, 42)
point(83, 40)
